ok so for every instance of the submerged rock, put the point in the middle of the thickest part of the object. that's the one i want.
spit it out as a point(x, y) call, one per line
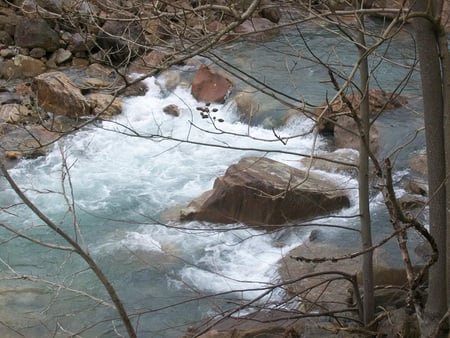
point(260, 191)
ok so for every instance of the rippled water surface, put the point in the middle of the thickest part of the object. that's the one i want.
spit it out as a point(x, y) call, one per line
point(123, 186)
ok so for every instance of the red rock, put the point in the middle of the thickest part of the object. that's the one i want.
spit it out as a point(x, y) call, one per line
point(210, 86)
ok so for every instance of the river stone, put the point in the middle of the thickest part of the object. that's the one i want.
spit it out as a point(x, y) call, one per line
point(272, 14)
point(38, 53)
point(28, 141)
point(172, 109)
point(346, 134)
point(121, 39)
point(340, 160)
point(20, 67)
point(316, 293)
point(263, 324)
point(418, 163)
point(257, 29)
point(60, 56)
point(246, 105)
point(415, 186)
point(150, 62)
point(58, 95)
point(5, 38)
point(15, 113)
point(260, 191)
point(8, 97)
point(379, 100)
point(79, 43)
point(210, 86)
point(105, 105)
point(36, 32)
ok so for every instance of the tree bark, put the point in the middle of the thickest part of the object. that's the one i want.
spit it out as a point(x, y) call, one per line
point(427, 32)
point(363, 184)
point(445, 59)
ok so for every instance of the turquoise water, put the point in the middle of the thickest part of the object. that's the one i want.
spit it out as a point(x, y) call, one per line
point(123, 186)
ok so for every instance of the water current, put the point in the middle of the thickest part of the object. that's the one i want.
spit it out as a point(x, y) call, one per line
point(126, 174)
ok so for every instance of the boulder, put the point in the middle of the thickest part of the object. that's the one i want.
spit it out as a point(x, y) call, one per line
point(340, 160)
point(270, 11)
point(58, 95)
point(415, 186)
point(328, 291)
point(172, 109)
point(104, 104)
point(79, 43)
point(38, 53)
point(20, 67)
point(257, 29)
point(36, 33)
point(28, 141)
point(411, 202)
point(210, 86)
point(121, 39)
point(379, 100)
point(169, 80)
point(246, 105)
point(262, 324)
point(418, 163)
point(8, 97)
point(399, 323)
point(5, 38)
point(262, 192)
point(346, 134)
point(59, 57)
point(15, 113)
point(149, 63)
point(8, 20)
point(100, 71)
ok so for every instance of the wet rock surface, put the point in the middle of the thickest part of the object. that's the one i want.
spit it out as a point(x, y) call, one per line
point(261, 191)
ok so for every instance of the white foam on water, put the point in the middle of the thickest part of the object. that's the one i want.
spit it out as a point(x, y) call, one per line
point(131, 168)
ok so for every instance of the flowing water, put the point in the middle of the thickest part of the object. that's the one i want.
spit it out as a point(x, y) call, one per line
point(127, 174)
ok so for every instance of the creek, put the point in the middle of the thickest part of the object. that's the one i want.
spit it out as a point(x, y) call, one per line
point(123, 186)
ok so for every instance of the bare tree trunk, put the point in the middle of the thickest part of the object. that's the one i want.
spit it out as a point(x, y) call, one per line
point(427, 31)
point(445, 59)
point(364, 210)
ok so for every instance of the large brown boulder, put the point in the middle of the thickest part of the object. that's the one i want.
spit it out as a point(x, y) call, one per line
point(58, 95)
point(260, 191)
point(20, 67)
point(36, 33)
point(210, 86)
